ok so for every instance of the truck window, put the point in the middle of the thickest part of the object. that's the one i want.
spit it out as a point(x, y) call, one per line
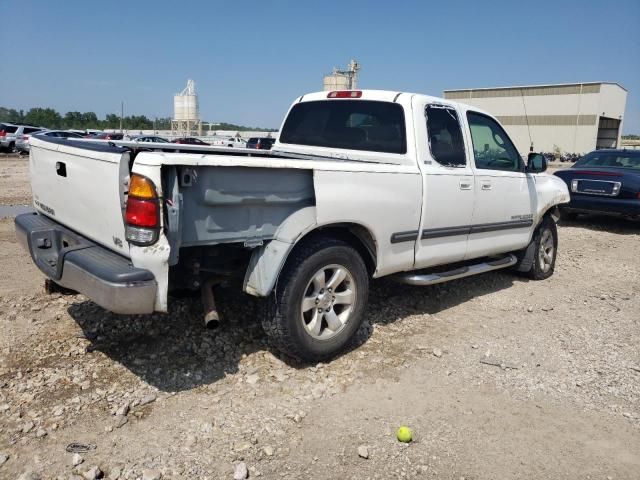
point(445, 136)
point(350, 124)
point(492, 148)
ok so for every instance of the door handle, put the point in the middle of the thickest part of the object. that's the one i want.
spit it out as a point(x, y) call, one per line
point(486, 186)
point(465, 185)
point(61, 169)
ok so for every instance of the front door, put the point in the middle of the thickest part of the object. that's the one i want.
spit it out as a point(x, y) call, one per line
point(505, 194)
point(448, 190)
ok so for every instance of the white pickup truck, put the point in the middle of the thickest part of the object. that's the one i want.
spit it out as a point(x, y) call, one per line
point(359, 185)
point(230, 142)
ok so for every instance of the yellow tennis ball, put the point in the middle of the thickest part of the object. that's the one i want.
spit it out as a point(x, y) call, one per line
point(404, 434)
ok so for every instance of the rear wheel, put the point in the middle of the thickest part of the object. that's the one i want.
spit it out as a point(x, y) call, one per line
point(318, 304)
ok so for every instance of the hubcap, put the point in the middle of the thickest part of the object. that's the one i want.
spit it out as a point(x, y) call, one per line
point(328, 302)
point(546, 251)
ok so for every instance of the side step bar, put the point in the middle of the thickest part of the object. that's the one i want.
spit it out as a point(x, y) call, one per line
point(440, 277)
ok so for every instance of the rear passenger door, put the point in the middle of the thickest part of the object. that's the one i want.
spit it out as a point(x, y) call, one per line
point(448, 188)
point(505, 194)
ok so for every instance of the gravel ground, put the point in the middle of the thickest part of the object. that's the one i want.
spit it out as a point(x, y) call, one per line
point(498, 377)
point(14, 180)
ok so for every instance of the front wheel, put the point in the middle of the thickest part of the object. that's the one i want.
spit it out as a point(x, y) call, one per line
point(538, 260)
point(318, 304)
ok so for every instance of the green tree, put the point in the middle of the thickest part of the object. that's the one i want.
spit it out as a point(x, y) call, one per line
point(43, 117)
point(72, 120)
point(11, 115)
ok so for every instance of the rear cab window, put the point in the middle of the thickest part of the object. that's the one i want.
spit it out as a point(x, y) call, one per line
point(347, 124)
point(445, 136)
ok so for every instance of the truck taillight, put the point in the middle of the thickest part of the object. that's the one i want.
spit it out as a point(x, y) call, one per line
point(345, 94)
point(3, 133)
point(142, 215)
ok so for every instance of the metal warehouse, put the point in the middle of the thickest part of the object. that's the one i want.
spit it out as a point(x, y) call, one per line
point(574, 118)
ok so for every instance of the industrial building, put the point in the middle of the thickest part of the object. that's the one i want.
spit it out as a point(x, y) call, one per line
point(346, 79)
point(569, 118)
point(186, 113)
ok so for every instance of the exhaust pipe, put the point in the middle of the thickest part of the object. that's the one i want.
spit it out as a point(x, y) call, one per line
point(211, 317)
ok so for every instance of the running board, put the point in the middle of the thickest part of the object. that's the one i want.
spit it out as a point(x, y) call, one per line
point(433, 278)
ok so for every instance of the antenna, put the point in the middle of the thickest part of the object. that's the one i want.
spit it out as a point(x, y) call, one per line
point(527, 119)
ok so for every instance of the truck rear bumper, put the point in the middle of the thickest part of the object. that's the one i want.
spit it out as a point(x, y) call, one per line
point(75, 262)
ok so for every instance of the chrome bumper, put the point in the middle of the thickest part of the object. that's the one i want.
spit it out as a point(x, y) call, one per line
point(81, 265)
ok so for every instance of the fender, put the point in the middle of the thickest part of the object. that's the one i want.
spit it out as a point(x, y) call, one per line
point(551, 191)
point(267, 261)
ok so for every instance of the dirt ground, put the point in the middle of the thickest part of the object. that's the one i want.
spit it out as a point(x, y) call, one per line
point(497, 376)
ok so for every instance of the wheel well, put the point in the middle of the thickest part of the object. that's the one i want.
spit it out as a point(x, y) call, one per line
point(553, 212)
point(355, 235)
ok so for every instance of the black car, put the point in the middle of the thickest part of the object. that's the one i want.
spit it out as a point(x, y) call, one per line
point(604, 182)
point(190, 141)
point(261, 143)
point(151, 139)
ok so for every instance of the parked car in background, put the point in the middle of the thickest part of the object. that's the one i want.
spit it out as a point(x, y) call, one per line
point(106, 136)
point(10, 134)
point(151, 139)
point(190, 141)
point(230, 142)
point(60, 134)
point(23, 145)
point(604, 182)
point(261, 143)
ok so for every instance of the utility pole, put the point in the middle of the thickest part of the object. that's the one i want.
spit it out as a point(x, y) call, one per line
point(121, 114)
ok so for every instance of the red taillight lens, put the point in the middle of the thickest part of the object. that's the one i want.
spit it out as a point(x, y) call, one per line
point(345, 94)
point(3, 133)
point(142, 216)
point(142, 213)
point(25, 137)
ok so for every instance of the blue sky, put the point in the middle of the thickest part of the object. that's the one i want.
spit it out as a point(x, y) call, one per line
point(251, 59)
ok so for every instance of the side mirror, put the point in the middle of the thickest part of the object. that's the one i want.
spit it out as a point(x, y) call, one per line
point(536, 163)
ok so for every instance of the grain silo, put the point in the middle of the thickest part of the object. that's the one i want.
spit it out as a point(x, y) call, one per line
point(342, 79)
point(186, 116)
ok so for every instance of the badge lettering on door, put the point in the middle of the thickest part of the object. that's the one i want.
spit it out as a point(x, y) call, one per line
point(528, 216)
point(45, 208)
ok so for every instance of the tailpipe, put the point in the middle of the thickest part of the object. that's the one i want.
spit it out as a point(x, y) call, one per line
point(211, 317)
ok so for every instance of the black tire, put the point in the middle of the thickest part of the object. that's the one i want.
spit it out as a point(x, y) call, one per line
point(12, 147)
point(283, 320)
point(531, 259)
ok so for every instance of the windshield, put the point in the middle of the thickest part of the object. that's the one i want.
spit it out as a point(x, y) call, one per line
point(616, 159)
point(350, 124)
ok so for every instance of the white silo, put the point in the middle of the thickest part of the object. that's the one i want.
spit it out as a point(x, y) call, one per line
point(342, 79)
point(186, 115)
point(336, 81)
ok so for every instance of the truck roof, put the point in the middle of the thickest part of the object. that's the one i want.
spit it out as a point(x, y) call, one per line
point(388, 96)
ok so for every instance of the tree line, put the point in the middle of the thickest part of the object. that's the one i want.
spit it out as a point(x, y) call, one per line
point(50, 118)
